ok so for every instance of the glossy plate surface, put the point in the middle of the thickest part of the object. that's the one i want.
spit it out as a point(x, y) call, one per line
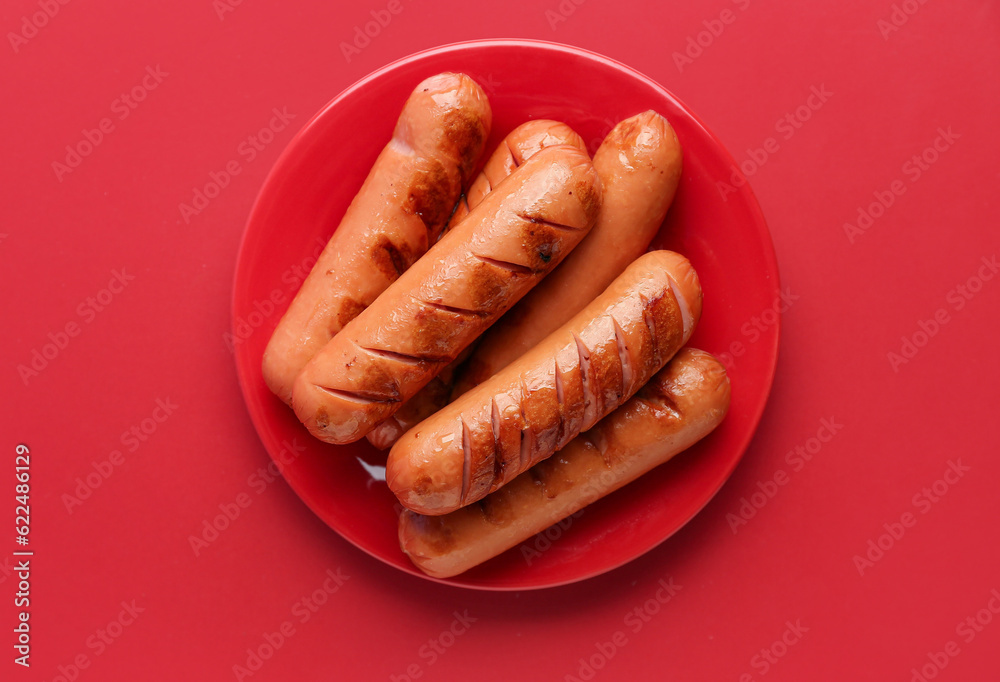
point(721, 230)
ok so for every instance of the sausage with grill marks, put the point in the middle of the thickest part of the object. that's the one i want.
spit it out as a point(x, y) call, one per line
point(639, 164)
point(423, 404)
point(398, 213)
point(448, 298)
point(559, 389)
point(520, 145)
point(679, 406)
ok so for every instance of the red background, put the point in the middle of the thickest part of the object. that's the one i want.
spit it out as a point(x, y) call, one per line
point(161, 337)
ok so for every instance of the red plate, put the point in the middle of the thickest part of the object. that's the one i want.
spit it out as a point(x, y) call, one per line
point(722, 232)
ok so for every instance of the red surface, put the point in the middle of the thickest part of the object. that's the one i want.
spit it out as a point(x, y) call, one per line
point(161, 337)
point(308, 191)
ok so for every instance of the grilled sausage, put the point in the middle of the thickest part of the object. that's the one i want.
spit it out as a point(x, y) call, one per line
point(682, 404)
point(559, 389)
point(639, 164)
point(520, 145)
point(447, 299)
point(401, 208)
point(423, 404)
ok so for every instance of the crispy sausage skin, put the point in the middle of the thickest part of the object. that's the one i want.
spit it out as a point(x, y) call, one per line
point(559, 389)
point(447, 299)
point(639, 164)
point(403, 205)
point(682, 404)
point(520, 145)
point(423, 404)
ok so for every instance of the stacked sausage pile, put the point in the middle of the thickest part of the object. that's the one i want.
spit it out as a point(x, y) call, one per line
point(499, 431)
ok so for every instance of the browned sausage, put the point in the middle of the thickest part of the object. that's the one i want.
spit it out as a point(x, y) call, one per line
point(423, 404)
point(520, 145)
point(524, 141)
point(639, 164)
point(448, 298)
point(401, 208)
point(560, 388)
point(684, 402)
